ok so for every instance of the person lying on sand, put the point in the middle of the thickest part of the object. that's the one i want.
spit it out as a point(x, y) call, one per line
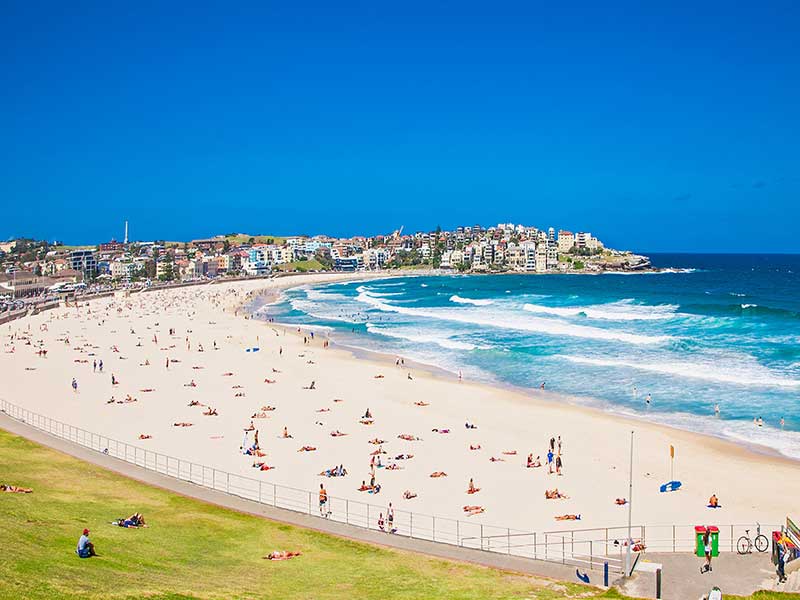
point(262, 466)
point(380, 450)
point(211, 412)
point(474, 446)
point(408, 437)
point(339, 471)
point(403, 456)
point(197, 368)
point(307, 449)
point(195, 403)
point(111, 400)
point(15, 489)
point(510, 452)
point(531, 464)
point(268, 408)
point(438, 474)
point(282, 555)
point(239, 395)
point(128, 399)
point(568, 518)
point(471, 489)
point(469, 425)
point(364, 487)
point(377, 441)
point(366, 421)
point(274, 370)
point(228, 374)
point(286, 435)
point(621, 501)
point(322, 410)
point(554, 495)
point(145, 436)
point(408, 494)
point(237, 387)
point(473, 509)
point(378, 376)
point(190, 384)
point(313, 386)
point(337, 433)
point(269, 381)
point(440, 430)
point(259, 415)
point(393, 467)
point(495, 459)
point(421, 403)
point(182, 424)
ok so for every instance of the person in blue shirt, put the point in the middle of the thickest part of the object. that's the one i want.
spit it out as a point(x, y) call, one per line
point(550, 461)
point(85, 547)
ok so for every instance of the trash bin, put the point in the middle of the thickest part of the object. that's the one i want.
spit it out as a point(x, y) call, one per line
point(699, 532)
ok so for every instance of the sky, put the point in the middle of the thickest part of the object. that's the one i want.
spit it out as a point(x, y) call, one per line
point(671, 127)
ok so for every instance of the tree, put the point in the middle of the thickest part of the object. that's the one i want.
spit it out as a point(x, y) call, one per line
point(150, 269)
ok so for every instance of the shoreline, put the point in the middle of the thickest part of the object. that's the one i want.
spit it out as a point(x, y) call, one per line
point(586, 404)
point(511, 423)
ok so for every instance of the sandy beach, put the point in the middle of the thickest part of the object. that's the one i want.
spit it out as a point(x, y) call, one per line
point(167, 349)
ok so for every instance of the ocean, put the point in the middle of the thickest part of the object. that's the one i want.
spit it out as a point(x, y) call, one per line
point(711, 331)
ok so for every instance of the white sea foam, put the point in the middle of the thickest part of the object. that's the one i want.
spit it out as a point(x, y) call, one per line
point(624, 310)
point(459, 300)
point(748, 374)
point(745, 306)
point(422, 338)
point(508, 320)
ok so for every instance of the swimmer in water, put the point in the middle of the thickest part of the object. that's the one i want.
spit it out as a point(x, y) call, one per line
point(716, 409)
point(648, 399)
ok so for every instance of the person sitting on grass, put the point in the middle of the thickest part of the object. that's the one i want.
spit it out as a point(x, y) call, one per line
point(85, 548)
point(14, 489)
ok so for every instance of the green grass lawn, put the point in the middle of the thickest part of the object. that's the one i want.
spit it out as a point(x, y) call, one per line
point(196, 550)
point(301, 265)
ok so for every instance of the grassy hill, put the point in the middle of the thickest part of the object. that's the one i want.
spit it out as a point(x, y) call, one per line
point(196, 550)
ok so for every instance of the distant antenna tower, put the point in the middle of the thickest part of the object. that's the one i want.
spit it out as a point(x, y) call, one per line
point(126, 233)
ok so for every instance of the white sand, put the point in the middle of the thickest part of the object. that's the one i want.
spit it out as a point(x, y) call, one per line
point(750, 486)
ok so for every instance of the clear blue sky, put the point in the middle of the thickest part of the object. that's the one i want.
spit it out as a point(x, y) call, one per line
point(669, 128)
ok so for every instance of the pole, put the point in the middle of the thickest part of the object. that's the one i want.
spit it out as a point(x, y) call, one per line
point(630, 506)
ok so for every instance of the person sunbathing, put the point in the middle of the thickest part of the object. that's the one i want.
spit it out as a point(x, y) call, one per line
point(129, 399)
point(239, 395)
point(474, 446)
point(495, 459)
point(364, 487)
point(268, 408)
point(473, 510)
point(228, 374)
point(378, 377)
point(282, 555)
point(620, 501)
point(269, 381)
point(259, 415)
point(198, 368)
point(421, 403)
point(366, 421)
point(532, 464)
point(195, 403)
point(510, 452)
point(313, 386)
point(380, 450)
point(134, 521)
point(322, 410)
point(307, 449)
point(554, 495)
point(471, 489)
point(182, 424)
point(262, 466)
point(408, 495)
point(274, 370)
point(338, 400)
point(469, 425)
point(440, 430)
point(408, 437)
point(713, 502)
point(190, 384)
point(337, 433)
point(403, 456)
point(237, 387)
point(568, 518)
point(14, 489)
point(111, 400)
point(286, 435)
point(211, 412)
point(393, 467)
point(145, 436)
point(367, 415)
point(438, 474)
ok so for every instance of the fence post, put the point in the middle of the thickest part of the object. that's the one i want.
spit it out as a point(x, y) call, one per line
point(411, 526)
point(367, 516)
point(563, 550)
point(458, 532)
point(591, 554)
point(534, 544)
point(508, 540)
point(347, 512)
point(732, 538)
point(228, 482)
point(545, 546)
point(274, 495)
point(658, 584)
point(572, 542)
point(481, 536)
point(259, 492)
point(309, 503)
point(673, 538)
point(434, 528)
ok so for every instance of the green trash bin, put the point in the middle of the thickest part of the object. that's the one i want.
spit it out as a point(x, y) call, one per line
point(699, 532)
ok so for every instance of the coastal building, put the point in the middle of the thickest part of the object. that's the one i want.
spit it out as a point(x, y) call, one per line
point(566, 241)
point(348, 263)
point(83, 261)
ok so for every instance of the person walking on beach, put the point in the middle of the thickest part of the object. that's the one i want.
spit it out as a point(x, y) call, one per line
point(74, 385)
point(550, 461)
point(94, 366)
point(707, 549)
point(323, 501)
point(558, 464)
point(390, 517)
point(100, 365)
point(166, 363)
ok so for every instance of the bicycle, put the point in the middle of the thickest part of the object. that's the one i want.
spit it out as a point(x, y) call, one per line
point(745, 544)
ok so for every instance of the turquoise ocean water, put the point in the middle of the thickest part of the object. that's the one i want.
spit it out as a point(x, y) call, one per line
point(714, 330)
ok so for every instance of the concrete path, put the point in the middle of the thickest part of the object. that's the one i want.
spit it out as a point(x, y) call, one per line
point(682, 580)
point(439, 550)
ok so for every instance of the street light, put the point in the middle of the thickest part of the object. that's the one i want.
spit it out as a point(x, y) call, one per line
point(630, 509)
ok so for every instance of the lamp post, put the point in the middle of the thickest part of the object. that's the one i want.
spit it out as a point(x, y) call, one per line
point(630, 509)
